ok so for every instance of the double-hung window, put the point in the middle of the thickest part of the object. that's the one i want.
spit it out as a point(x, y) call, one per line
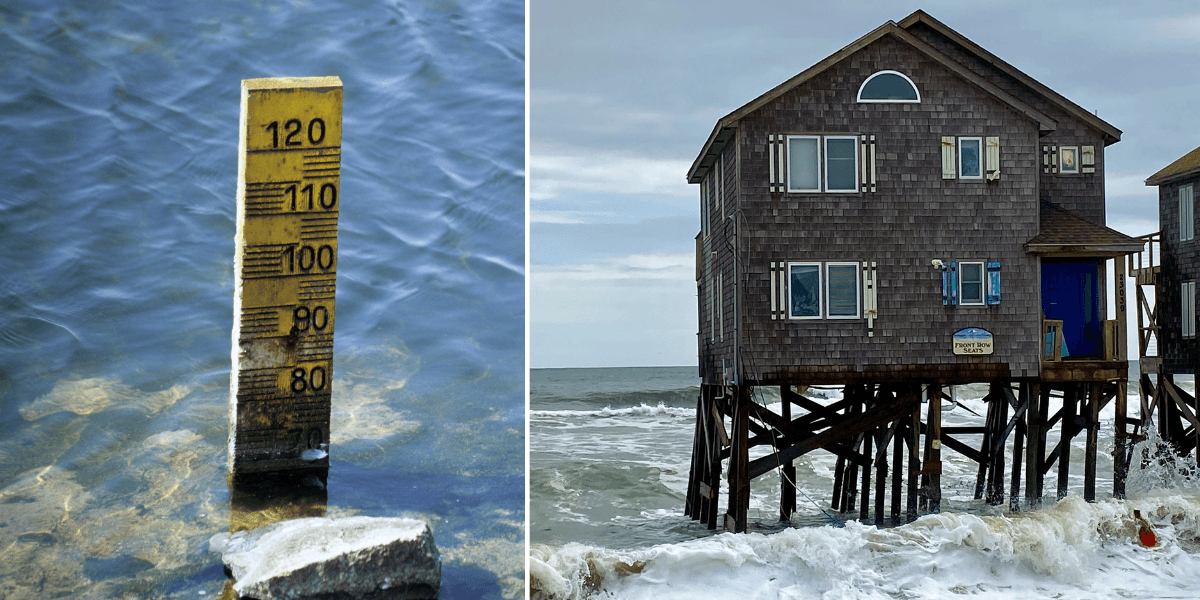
point(1187, 216)
point(970, 154)
point(804, 290)
point(824, 290)
point(842, 290)
point(971, 284)
point(1187, 306)
point(822, 163)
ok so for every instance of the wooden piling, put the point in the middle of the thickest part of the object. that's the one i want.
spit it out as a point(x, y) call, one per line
point(1121, 440)
point(787, 483)
point(998, 437)
point(1014, 492)
point(739, 459)
point(865, 502)
point(914, 468)
point(933, 456)
point(1093, 427)
point(1066, 426)
point(985, 446)
point(898, 467)
point(881, 471)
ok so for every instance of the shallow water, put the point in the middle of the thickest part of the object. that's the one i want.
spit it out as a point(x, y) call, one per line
point(609, 459)
point(117, 218)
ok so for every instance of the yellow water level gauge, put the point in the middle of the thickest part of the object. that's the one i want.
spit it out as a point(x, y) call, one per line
point(285, 267)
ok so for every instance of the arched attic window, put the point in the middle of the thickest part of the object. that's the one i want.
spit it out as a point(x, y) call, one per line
point(888, 86)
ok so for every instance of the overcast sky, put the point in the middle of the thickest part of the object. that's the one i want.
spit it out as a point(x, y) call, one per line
point(624, 93)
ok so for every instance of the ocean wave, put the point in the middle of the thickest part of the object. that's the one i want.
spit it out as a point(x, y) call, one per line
point(1070, 549)
point(642, 410)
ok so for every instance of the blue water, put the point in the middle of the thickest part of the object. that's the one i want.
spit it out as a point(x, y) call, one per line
point(117, 209)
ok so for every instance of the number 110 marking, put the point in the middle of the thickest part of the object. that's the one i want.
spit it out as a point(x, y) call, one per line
point(327, 197)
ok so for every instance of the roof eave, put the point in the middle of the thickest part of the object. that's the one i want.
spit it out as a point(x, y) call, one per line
point(1084, 250)
point(721, 134)
point(1110, 134)
point(1156, 180)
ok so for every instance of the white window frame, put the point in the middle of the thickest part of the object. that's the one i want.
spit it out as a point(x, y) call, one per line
point(820, 290)
point(982, 283)
point(857, 290)
point(820, 162)
point(1187, 306)
point(825, 164)
point(958, 159)
point(1187, 213)
point(704, 216)
point(717, 166)
point(878, 73)
point(1062, 160)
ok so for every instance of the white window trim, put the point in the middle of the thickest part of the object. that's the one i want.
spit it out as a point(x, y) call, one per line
point(820, 291)
point(1062, 163)
point(982, 283)
point(876, 74)
point(717, 166)
point(820, 162)
point(959, 154)
point(704, 209)
point(1187, 204)
point(1187, 306)
point(857, 279)
point(825, 164)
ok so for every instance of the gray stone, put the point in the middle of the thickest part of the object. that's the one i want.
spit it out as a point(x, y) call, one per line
point(320, 558)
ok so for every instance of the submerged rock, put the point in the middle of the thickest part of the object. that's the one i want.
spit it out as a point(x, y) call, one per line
point(352, 558)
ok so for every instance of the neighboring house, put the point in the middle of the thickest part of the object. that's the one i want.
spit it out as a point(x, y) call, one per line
point(1175, 299)
point(912, 209)
point(1173, 321)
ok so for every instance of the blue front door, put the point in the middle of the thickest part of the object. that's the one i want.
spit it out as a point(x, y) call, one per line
point(1071, 293)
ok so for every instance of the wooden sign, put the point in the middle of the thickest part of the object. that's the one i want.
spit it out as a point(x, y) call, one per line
point(285, 264)
point(973, 341)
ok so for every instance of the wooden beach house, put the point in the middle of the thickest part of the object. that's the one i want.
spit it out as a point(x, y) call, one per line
point(910, 213)
point(1170, 319)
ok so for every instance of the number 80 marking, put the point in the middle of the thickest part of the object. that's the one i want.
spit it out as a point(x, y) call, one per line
point(303, 380)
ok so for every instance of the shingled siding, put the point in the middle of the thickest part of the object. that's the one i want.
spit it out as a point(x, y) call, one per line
point(914, 217)
point(717, 336)
point(1180, 262)
point(1082, 193)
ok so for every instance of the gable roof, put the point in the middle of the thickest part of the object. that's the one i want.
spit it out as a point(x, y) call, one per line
point(1066, 233)
point(1112, 135)
point(723, 130)
point(1186, 165)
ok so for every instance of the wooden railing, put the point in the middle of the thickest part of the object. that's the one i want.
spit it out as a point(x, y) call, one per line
point(1144, 265)
point(1052, 340)
point(1112, 341)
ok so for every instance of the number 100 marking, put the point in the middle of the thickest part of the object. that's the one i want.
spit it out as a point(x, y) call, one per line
point(308, 257)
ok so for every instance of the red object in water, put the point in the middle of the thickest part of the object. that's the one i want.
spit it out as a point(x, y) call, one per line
point(1145, 534)
point(1147, 537)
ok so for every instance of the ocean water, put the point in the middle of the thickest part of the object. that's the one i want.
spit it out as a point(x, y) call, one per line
point(609, 457)
point(118, 140)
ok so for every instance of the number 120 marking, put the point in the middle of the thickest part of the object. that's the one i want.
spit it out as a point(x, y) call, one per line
point(292, 128)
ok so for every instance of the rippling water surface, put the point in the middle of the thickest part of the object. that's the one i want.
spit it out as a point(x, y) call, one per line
point(119, 158)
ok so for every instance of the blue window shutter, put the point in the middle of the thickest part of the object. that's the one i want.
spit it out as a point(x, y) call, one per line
point(953, 283)
point(945, 286)
point(993, 272)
